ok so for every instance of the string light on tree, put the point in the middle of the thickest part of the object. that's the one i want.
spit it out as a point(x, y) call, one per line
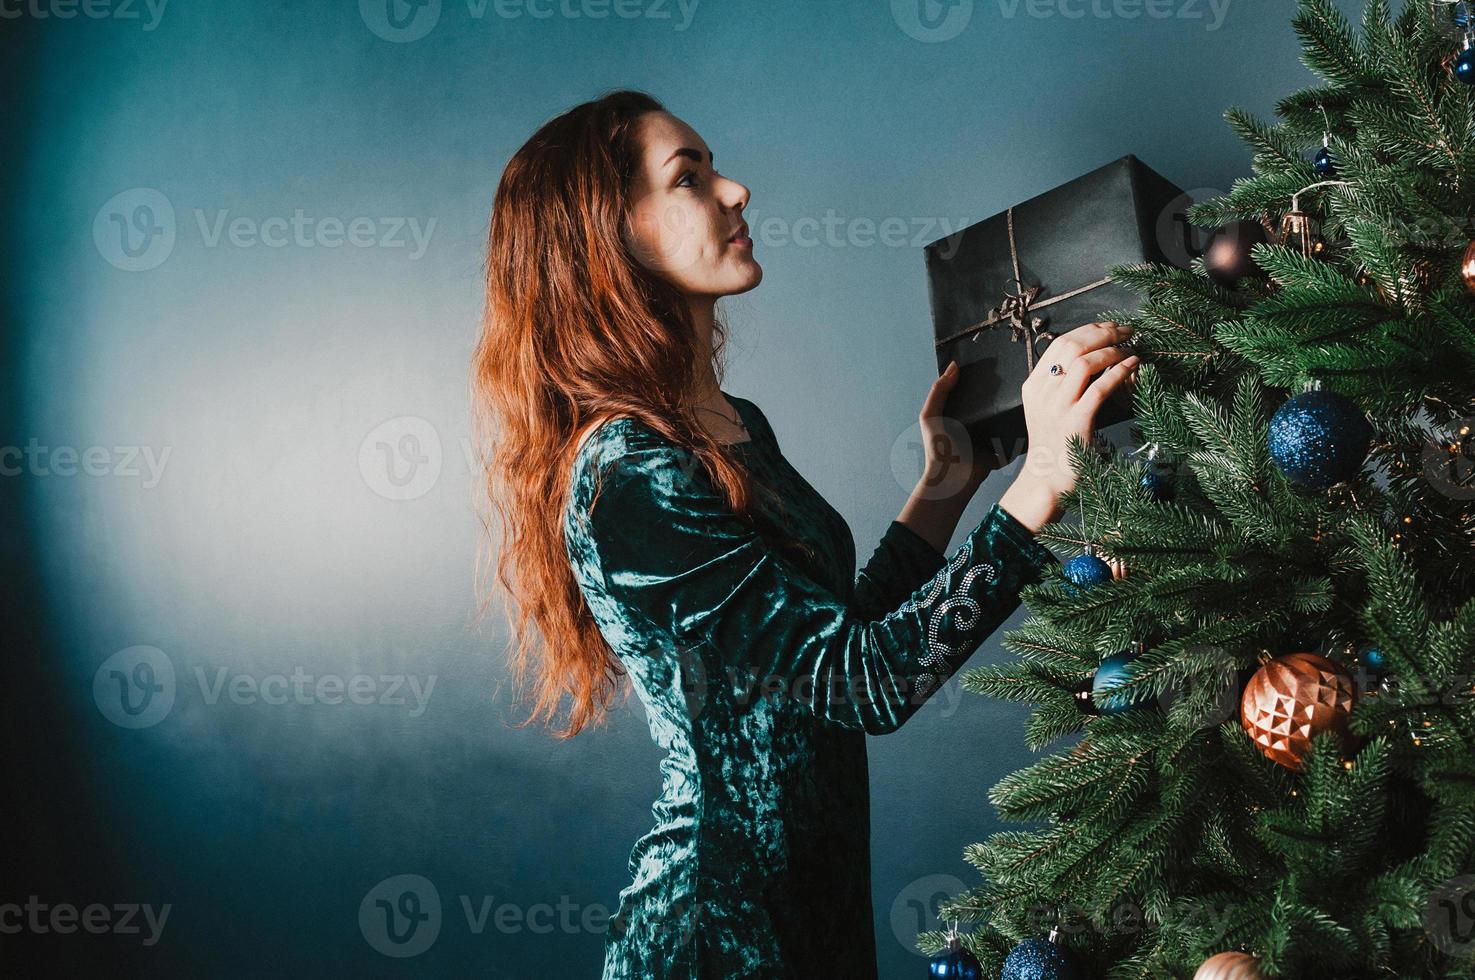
point(1299, 230)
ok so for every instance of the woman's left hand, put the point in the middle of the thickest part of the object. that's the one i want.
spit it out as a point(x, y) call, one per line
point(948, 450)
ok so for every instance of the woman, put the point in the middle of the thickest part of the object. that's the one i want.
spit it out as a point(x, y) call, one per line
point(651, 527)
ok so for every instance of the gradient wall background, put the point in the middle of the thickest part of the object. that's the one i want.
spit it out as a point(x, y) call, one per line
point(242, 287)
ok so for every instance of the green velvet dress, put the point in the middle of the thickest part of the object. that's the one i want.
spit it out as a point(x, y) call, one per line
point(761, 672)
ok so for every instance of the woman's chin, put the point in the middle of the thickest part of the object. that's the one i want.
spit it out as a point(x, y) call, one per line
point(751, 279)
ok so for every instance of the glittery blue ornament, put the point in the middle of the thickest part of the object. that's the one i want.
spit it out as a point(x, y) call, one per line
point(1158, 486)
point(1319, 438)
point(1465, 65)
point(955, 963)
point(1040, 959)
point(1086, 571)
point(1374, 659)
point(1324, 163)
point(1112, 674)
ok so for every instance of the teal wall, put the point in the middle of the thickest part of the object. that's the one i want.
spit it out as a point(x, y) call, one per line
point(246, 501)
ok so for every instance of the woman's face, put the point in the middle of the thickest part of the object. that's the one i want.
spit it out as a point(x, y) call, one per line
point(686, 220)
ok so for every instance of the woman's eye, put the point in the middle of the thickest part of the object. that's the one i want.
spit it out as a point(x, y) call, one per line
point(689, 173)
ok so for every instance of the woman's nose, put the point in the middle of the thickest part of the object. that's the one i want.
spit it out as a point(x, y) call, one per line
point(738, 196)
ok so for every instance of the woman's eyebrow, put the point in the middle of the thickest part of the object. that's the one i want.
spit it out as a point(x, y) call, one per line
point(687, 151)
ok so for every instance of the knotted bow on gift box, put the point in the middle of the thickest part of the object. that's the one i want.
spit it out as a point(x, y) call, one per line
point(1017, 308)
point(1121, 213)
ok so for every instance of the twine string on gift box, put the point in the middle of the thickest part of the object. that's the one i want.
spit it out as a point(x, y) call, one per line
point(1017, 308)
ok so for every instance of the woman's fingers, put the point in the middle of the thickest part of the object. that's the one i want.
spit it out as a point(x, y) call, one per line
point(1079, 343)
point(1083, 368)
point(937, 394)
point(1111, 379)
point(1089, 337)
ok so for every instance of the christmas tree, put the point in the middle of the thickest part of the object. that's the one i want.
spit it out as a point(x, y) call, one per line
point(1274, 773)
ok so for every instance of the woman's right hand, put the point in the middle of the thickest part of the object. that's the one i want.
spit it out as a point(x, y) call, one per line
point(1057, 406)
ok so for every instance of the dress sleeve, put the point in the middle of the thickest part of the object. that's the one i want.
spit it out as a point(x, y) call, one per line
point(902, 561)
point(673, 554)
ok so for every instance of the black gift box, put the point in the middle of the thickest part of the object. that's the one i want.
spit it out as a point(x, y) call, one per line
point(1064, 240)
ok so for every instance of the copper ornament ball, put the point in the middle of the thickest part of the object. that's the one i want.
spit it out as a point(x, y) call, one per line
point(1292, 698)
point(1229, 966)
point(1467, 267)
point(1227, 257)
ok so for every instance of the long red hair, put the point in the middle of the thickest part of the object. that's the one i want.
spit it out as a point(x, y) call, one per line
point(575, 331)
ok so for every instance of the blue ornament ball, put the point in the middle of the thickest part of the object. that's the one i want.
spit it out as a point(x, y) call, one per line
point(1465, 66)
point(1374, 659)
point(1324, 163)
point(1319, 438)
point(1158, 486)
point(1086, 571)
point(955, 963)
point(1112, 674)
point(1039, 959)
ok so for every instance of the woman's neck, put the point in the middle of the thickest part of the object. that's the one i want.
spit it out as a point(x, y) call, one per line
point(703, 315)
point(717, 413)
